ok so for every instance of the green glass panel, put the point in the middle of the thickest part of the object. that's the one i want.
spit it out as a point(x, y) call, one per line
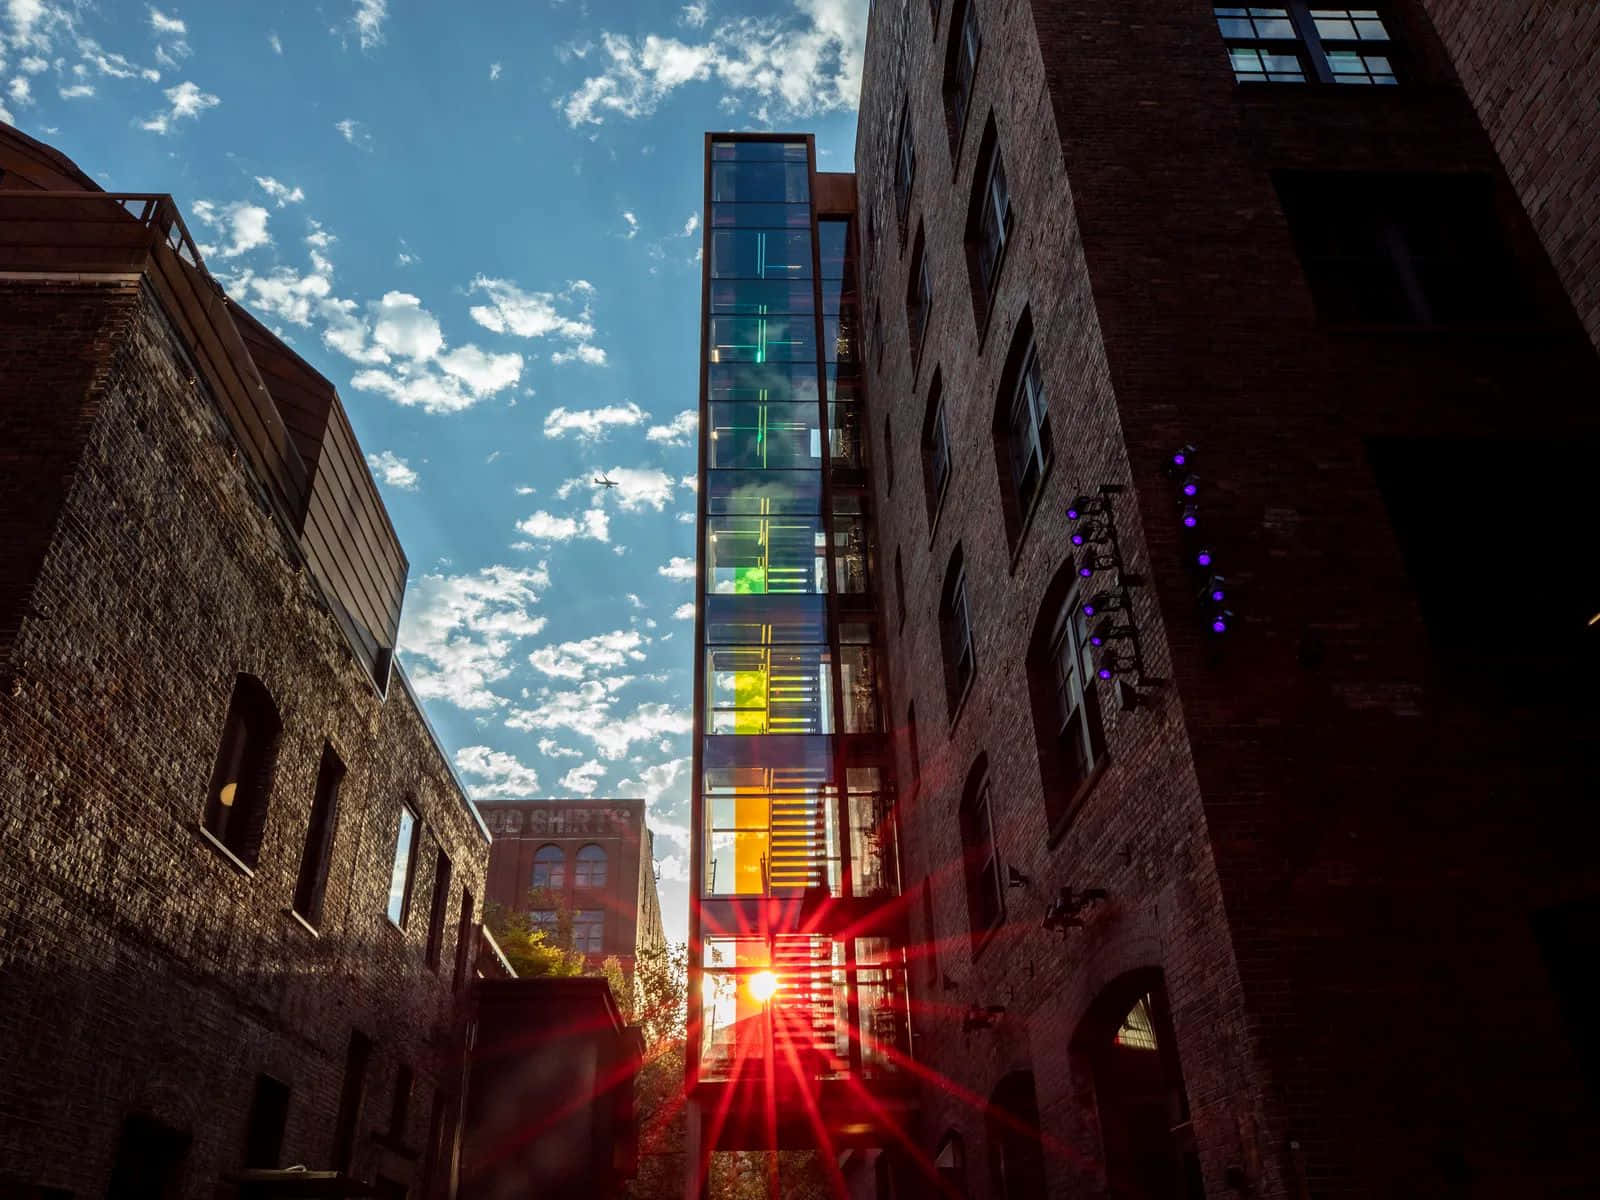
point(762, 382)
point(756, 296)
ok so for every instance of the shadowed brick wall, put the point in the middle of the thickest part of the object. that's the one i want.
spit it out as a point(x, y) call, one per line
point(1330, 839)
point(143, 972)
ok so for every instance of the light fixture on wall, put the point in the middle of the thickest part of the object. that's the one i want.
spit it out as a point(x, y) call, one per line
point(982, 1016)
point(1016, 879)
point(1065, 911)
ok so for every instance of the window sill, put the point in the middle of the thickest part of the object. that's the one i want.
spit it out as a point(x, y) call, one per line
point(302, 922)
point(228, 856)
point(1058, 829)
point(1026, 526)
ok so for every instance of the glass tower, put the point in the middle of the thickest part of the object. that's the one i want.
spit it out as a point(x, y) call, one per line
point(797, 994)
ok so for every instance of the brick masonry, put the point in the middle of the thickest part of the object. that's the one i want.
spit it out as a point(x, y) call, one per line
point(1333, 864)
point(143, 972)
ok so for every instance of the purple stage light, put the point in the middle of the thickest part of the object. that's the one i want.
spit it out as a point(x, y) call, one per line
point(1086, 570)
point(1089, 608)
point(1077, 539)
point(1072, 513)
point(1104, 672)
point(1219, 626)
point(1217, 594)
point(1179, 459)
point(1191, 516)
point(1191, 485)
point(1096, 640)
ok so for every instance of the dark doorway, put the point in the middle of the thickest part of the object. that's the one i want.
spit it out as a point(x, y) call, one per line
point(1016, 1155)
point(149, 1161)
point(1144, 1109)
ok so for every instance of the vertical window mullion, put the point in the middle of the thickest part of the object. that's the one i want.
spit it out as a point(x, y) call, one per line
point(1300, 14)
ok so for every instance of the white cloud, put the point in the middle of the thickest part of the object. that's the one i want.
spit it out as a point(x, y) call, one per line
point(485, 373)
point(694, 15)
point(588, 709)
point(592, 424)
point(422, 385)
point(494, 71)
point(186, 100)
point(592, 525)
point(637, 487)
point(577, 659)
point(162, 23)
point(243, 225)
point(678, 431)
point(677, 568)
point(584, 779)
point(633, 225)
point(684, 612)
point(20, 90)
point(354, 132)
point(505, 776)
point(402, 326)
point(690, 225)
point(284, 292)
point(77, 91)
point(275, 42)
point(593, 355)
point(368, 20)
point(800, 63)
point(280, 192)
point(509, 309)
point(551, 748)
point(393, 470)
point(459, 632)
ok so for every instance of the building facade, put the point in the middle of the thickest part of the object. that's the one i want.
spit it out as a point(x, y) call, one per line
point(1214, 357)
point(240, 886)
point(591, 860)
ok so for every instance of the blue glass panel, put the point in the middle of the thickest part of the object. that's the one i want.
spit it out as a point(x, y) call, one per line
point(763, 491)
point(760, 182)
point(744, 150)
point(760, 254)
point(761, 216)
point(762, 382)
point(763, 339)
point(735, 296)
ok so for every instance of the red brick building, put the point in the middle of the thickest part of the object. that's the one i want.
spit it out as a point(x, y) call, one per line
point(594, 858)
point(240, 884)
point(1292, 901)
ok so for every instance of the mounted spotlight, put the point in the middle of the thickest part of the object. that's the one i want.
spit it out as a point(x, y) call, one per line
point(982, 1016)
point(1015, 878)
point(1191, 516)
point(1215, 590)
point(1107, 630)
point(1065, 910)
point(1202, 558)
point(1115, 664)
point(1179, 459)
point(1221, 621)
point(1191, 485)
point(1092, 534)
point(1104, 602)
point(1088, 564)
point(1082, 506)
point(1129, 696)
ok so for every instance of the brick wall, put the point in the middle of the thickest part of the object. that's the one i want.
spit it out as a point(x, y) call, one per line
point(1331, 849)
point(145, 972)
point(1532, 72)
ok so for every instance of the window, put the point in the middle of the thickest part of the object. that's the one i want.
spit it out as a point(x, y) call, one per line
point(589, 930)
point(436, 910)
point(1066, 709)
point(550, 867)
point(899, 586)
point(269, 1113)
point(546, 921)
point(877, 334)
point(930, 936)
point(888, 456)
point(400, 1105)
point(912, 753)
point(935, 449)
point(990, 218)
point(919, 297)
point(951, 1163)
point(980, 858)
point(1402, 249)
point(313, 878)
point(905, 172)
point(591, 872)
point(236, 803)
point(149, 1161)
point(955, 625)
point(1297, 42)
point(961, 68)
point(464, 940)
point(1023, 441)
point(352, 1095)
point(405, 861)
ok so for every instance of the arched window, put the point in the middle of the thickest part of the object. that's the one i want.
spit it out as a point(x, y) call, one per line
point(979, 855)
point(591, 869)
point(550, 867)
point(1016, 1155)
point(935, 449)
point(1139, 1091)
point(236, 801)
point(1023, 443)
point(951, 1162)
point(955, 627)
point(1064, 698)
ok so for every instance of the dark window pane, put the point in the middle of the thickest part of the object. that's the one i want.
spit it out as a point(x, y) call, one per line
point(745, 150)
point(761, 492)
point(761, 216)
point(760, 254)
point(767, 382)
point(762, 339)
point(764, 182)
point(760, 296)
point(767, 436)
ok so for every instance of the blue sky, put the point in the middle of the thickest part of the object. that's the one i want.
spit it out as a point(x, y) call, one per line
point(480, 220)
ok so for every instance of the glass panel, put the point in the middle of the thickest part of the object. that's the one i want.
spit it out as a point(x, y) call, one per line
point(846, 439)
point(766, 182)
point(772, 618)
point(763, 339)
point(858, 681)
point(852, 554)
point(760, 254)
point(769, 689)
point(767, 436)
point(400, 872)
point(872, 836)
point(760, 296)
point(762, 382)
point(755, 555)
point(833, 243)
point(770, 830)
point(763, 492)
point(761, 216)
point(750, 150)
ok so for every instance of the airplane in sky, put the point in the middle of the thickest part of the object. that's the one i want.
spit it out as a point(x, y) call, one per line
point(604, 482)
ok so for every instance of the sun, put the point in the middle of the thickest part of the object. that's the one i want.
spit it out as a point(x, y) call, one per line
point(763, 984)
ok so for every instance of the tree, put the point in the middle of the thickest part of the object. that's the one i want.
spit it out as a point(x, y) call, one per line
point(532, 951)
